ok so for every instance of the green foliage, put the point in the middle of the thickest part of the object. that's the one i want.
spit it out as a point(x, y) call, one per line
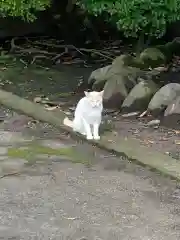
point(136, 17)
point(22, 8)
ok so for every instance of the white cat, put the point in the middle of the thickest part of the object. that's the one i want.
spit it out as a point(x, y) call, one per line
point(87, 116)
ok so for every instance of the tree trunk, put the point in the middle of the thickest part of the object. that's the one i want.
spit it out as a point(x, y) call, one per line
point(142, 43)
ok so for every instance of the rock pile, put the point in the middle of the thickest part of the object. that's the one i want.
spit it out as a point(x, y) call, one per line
point(130, 84)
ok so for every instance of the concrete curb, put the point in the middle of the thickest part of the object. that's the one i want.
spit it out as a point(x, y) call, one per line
point(142, 155)
point(129, 148)
point(134, 151)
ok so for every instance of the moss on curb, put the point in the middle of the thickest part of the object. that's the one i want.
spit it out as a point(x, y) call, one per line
point(32, 151)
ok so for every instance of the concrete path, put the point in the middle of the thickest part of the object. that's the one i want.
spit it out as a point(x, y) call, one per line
point(47, 192)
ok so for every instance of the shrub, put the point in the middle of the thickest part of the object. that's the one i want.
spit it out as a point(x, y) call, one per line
point(22, 8)
point(136, 17)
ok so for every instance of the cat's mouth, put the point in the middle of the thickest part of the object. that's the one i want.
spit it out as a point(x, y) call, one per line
point(95, 105)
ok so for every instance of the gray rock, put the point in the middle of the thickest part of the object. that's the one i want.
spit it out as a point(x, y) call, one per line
point(153, 122)
point(120, 66)
point(120, 81)
point(163, 98)
point(99, 77)
point(139, 96)
point(116, 90)
point(172, 114)
point(152, 57)
point(122, 60)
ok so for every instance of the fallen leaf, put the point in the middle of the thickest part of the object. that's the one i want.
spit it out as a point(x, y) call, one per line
point(130, 114)
point(71, 218)
point(177, 142)
point(37, 99)
point(51, 108)
point(146, 141)
point(136, 131)
point(161, 68)
point(143, 114)
point(164, 139)
point(67, 113)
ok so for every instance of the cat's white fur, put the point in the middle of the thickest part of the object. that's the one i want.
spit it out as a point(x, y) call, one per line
point(87, 116)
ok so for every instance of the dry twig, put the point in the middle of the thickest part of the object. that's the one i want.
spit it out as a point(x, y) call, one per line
point(80, 50)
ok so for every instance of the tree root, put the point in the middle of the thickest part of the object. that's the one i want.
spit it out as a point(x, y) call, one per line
point(101, 53)
point(34, 47)
point(30, 50)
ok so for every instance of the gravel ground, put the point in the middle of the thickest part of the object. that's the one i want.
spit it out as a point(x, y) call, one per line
point(57, 199)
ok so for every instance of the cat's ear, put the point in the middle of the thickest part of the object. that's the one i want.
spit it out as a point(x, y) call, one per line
point(86, 93)
point(101, 93)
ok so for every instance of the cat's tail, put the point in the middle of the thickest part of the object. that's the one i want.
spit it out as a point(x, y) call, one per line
point(68, 122)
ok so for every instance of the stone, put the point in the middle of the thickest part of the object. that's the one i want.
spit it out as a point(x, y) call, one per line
point(120, 66)
point(172, 114)
point(152, 57)
point(98, 78)
point(154, 122)
point(122, 60)
point(139, 97)
point(116, 90)
point(163, 97)
point(120, 80)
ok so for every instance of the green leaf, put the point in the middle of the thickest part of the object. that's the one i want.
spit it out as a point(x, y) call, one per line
point(134, 17)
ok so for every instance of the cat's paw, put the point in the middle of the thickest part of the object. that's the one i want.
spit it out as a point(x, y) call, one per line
point(96, 137)
point(89, 137)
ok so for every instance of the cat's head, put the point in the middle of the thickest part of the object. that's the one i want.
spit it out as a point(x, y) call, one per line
point(95, 98)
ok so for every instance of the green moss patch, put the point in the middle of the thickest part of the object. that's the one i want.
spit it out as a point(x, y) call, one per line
point(31, 153)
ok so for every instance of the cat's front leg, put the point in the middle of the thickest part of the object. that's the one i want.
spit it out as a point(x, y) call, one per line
point(87, 127)
point(96, 131)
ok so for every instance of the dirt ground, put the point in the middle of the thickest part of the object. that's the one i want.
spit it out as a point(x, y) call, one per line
point(161, 139)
